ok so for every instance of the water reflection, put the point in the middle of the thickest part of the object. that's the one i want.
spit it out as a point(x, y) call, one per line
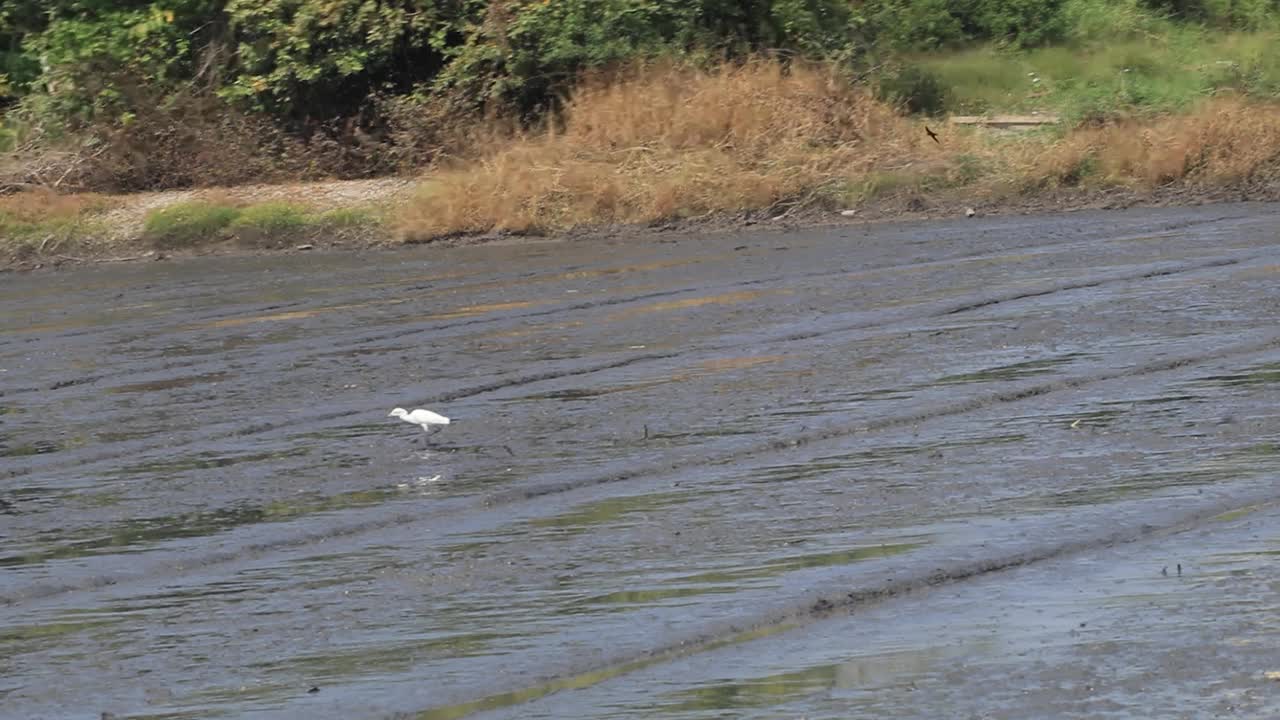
point(865, 672)
point(1013, 371)
point(139, 534)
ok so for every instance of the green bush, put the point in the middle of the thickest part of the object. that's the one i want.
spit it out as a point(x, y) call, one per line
point(915, 89)
point(1226, 14)
point(1022, 23)
point(330, 72)
point(525, 55)
point(1091, 22)
point(916, 25)
point(188, 224)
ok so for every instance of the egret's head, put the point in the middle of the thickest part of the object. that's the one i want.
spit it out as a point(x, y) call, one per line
point(398, 412)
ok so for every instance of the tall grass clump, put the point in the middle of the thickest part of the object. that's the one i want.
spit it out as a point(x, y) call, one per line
point(269, 223)
point(44, 222)
point(188, 224)
point(1227, 141)
point(669, 140)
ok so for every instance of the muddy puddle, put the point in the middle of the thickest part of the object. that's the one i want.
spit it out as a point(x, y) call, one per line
point(1126, 639)
point(703, 478)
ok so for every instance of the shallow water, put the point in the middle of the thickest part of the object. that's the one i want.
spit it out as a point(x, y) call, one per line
point(715, 476)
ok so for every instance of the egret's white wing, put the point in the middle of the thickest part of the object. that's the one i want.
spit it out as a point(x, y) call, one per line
point(421, 416)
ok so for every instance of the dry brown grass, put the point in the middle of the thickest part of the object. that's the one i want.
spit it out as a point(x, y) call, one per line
point(43, 222)
point(1225, 141)
point(675, 141)
point(40, 205)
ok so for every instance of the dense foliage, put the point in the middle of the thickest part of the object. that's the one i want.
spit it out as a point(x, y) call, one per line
point(308, 59)
point(338, 67)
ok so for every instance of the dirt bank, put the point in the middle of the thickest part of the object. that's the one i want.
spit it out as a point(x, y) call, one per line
point(125, 242)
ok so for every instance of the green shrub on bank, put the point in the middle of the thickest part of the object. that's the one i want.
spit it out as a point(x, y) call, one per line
point(915, 89)
point(340, 219)
point(188, 224)
point(268, 224)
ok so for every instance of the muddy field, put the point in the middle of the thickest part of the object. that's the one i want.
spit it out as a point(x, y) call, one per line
point(997, 468)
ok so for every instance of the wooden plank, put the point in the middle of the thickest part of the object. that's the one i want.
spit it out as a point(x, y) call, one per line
point(1004, 120)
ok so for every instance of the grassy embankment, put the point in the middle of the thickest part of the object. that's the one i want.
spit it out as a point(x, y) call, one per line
point(1178, 108)
point(1184, 108)
point(43, 225)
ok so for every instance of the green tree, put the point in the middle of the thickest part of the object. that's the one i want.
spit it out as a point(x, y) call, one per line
point(307, 59)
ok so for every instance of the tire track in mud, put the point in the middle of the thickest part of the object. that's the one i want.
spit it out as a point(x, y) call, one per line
point(515, 496)
point(281, 354)
point(851, 588)
point(216, 313)
point(879, 585)
point(877, 319)
point(961, 407)
point(276, 352)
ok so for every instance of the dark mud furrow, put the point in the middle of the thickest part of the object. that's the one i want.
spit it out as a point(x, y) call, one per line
point(280, 352)
point(959, 408)
point(542, 472)
point(390, 294)
point(1096, 649)
point(467, 594)
point(903, 411)
point(275, 352)
point(755, 340)
point(653, 472)
point(963, 564)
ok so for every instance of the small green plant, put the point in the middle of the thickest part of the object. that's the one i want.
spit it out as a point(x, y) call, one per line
point(188, 224)
point(347, 218)
point(966, 169)
point(269, 223)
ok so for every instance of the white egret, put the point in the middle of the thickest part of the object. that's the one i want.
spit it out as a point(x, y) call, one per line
point(425, 418)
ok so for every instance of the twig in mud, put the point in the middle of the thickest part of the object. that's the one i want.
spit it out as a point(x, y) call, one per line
point(76, 163)
point(126, 258)
point(866, 73)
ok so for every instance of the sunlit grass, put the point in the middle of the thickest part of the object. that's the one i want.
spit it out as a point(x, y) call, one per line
point(1163, 73)
point(198, 223)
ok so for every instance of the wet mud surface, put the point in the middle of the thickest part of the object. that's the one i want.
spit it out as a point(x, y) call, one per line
point(943, 469)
